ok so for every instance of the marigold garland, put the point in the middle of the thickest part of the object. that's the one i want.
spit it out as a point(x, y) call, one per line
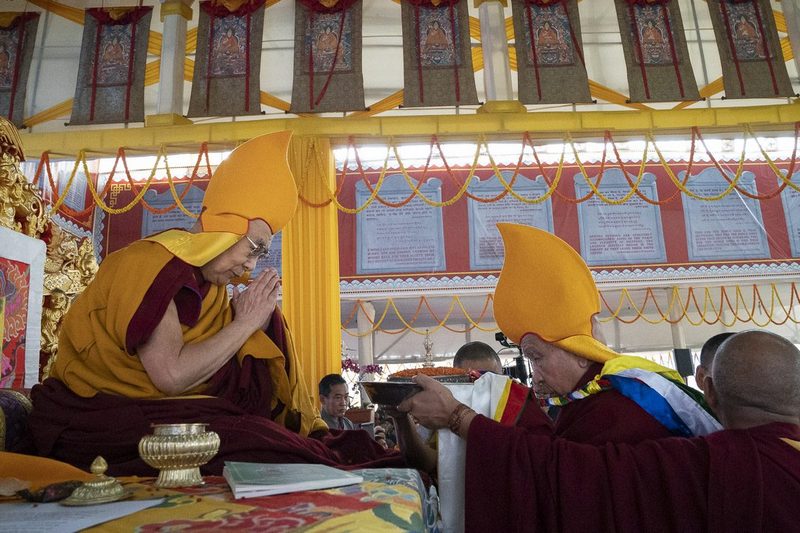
point(314, 156)
point(682, 306)
point(140, 191)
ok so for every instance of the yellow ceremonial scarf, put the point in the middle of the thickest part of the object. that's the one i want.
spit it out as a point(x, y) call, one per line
point(92, 356)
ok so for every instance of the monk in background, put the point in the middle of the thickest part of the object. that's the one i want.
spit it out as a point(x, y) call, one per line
point(703, 371)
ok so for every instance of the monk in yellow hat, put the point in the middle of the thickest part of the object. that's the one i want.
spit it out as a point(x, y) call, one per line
point(546, 302)
point(156, 339)
point(745, 477)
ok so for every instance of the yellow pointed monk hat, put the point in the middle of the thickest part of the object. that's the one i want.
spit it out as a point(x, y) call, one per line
point(546, 289)
point(254, 182)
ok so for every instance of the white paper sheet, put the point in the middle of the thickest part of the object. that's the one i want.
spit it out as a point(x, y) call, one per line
point(56, 518)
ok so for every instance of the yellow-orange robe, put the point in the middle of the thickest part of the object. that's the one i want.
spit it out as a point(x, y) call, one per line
point(100, 392)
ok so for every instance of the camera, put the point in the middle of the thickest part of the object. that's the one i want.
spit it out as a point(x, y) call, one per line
point(520, 369)
point(503, 340)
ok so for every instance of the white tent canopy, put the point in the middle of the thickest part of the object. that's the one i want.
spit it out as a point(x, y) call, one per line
point(56, 56)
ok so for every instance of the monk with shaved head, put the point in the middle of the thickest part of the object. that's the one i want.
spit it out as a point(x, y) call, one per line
point(707, 354)
point(743, 478)
point(756, 380)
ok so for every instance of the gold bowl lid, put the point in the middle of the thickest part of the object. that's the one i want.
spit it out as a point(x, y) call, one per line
point(102, 489)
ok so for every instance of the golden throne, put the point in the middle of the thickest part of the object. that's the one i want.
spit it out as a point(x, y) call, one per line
point(70, 264)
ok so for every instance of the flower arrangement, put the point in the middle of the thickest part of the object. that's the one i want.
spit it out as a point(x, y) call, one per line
point(353, 373)
point(350, 365)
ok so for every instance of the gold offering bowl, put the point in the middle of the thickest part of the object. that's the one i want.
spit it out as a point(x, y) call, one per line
point(178, 451)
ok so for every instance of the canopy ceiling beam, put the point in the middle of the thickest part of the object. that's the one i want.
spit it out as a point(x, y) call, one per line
point(553, 125)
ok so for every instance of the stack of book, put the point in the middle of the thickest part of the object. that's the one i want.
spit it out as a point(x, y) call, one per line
point(250, 480)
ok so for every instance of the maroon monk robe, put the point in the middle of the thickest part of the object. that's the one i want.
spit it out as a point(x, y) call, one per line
point(733, 480)
point(606, 416)
point(76, 430)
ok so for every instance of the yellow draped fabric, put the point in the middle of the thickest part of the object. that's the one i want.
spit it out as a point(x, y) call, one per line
point(92, 355)
point(197, 249)
point(311, 262)
point(39, 471)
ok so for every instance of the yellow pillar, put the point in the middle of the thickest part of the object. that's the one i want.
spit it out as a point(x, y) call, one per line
point(311, 263)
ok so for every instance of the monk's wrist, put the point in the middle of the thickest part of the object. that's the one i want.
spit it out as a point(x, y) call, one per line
point(460, 419)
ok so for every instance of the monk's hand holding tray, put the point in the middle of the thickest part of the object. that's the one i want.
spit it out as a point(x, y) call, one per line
point(400, 385)
point(388, 393)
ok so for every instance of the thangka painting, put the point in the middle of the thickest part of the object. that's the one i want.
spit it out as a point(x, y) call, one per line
point(17, 37)
point(227, 69)
point(437, 54)
point(655, 51)
point(110, 85)
point(14, 286)
point(327, 57)
point(750, 50)
point(437, 37)
point(115, 54)
point(228, 50)
point(21, 288)
point(651, 23)
point(549, 52)
point(329, 51)
point(552, 36)
point(9, 43)
point(748, 42)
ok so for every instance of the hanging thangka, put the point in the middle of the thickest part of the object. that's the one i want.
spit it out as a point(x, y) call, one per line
point(752, 59)
point(550, 66)
point(17, 37)
point(110, 84)
point(437, 55)
point(227, 68)
point(327, 56)
point(656, 55)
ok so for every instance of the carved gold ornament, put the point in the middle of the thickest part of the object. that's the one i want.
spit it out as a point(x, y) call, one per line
point(70, 263)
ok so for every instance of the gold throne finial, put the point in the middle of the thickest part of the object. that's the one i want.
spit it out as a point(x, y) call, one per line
point(21, 208)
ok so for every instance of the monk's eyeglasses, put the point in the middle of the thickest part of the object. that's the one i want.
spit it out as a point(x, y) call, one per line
point(258, 250)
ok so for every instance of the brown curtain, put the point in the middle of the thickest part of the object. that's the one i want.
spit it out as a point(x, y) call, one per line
point(656, 55)
point(227, 67)
point(550, 66)
point(327, 57)
point(437, 55)
point(17, 37)
point(110, 84)
point(749, 49)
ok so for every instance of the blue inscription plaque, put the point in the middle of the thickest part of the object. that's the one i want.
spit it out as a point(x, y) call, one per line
point(486, 250)
point(174, 218)
point(790, 199)
point(399, 239)
point(274, 259)
point(625, 234)
point(728, 228)
point(76, 195)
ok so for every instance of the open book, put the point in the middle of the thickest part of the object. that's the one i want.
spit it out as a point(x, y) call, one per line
point(249, 480)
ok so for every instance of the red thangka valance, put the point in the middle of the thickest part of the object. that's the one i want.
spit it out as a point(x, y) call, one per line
point(327, 6)
point(219, 9)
